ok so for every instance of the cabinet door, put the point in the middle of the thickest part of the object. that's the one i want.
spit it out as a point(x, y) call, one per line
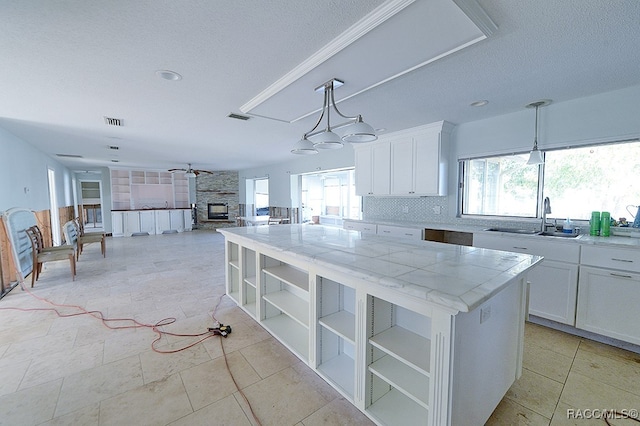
point(132, 223)
point(402, 166)
point(364, 171)
point(553, 291)
point(163, 222)
point(609, 303)
point(147, 222)
point(428, 170)
point(188, 221)
point(381, 158)
point(176, 220)
point(117, 224)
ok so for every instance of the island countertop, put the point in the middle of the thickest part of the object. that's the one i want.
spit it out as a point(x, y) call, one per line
point(456, 277)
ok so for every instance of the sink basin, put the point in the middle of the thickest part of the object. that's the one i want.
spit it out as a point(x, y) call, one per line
point(558, 234)
point(514, 230)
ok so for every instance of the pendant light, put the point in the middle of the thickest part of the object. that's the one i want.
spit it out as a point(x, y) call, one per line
point(357, 130)
point(535, 157)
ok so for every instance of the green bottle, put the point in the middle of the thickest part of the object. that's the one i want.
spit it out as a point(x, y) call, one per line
point(594, 228)
point(605, 223)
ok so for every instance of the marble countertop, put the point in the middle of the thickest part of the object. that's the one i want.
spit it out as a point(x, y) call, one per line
point(453, 276)
point(620, 239)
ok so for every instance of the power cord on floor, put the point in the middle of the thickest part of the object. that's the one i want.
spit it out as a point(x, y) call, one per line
point(218, 329)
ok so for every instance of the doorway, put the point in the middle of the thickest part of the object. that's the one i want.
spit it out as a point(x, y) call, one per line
point(91, 210)
point(261, 196)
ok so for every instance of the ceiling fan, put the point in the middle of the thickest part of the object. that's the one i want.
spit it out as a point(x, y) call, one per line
point(191, 172)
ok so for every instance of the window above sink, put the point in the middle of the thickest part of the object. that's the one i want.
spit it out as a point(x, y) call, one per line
point(579, 180)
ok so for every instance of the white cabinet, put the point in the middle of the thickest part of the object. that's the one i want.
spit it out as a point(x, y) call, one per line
point(609, 292)
point(372, 164)
point(131, 223)
point(163, 221)
point(117, 224)
point(153, 222)
point(419, 163)
point(408, 163)
point(554, 282)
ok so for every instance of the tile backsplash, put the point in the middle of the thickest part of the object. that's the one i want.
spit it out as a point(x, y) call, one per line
point(430, 210)
point(409, 209)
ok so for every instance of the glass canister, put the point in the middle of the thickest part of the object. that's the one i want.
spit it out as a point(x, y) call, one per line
point(594, 223)
point(605, 223)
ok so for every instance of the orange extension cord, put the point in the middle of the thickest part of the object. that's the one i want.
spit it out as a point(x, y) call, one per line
point(136, 324)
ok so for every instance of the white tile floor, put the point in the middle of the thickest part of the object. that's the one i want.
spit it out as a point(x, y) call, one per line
point(75, 371)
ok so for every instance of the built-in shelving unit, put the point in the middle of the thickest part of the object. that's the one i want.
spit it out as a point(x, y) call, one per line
point(336, 334)
point(233, 271)
point(120, 190)
point(249, 289)
point(400, 359)
point(398, 356)
point(285, 304)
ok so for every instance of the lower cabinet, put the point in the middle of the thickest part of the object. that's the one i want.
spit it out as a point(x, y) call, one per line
point(152, 222)
point(554, 282)
point(554, 286)
point(609, 303)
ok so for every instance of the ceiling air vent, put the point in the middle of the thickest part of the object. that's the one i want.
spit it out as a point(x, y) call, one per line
point(112, 121)
point(69, 155)
point(239, 117)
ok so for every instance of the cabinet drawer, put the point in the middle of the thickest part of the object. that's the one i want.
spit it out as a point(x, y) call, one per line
point(610, 257)
point(370, 228)
point(401, 232)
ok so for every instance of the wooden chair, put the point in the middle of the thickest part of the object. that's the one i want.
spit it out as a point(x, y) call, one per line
point(89, 238)
point(40, 256)
point(43, 248)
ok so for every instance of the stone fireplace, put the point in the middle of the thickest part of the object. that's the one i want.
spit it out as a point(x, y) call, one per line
point(217, 199)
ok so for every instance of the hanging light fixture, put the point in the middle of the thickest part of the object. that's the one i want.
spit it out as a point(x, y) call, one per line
point(356, 130)
point(535, 157)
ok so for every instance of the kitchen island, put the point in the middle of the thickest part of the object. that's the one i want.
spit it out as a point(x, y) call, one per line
point(411, 332)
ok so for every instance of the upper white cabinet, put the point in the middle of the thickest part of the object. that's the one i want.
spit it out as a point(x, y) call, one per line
point(407, 163)
point(372, 169)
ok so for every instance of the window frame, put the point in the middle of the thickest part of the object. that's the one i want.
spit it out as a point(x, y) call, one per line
point(463, 163)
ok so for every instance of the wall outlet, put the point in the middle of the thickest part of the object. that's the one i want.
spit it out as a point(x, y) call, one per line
point(485, 313)
point(405, 209)
point(436, 209)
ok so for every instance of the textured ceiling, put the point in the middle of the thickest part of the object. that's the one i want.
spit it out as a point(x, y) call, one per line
point(67, 64)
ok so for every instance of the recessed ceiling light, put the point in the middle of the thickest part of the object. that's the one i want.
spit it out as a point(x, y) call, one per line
point(169, 75)
point(479, 103)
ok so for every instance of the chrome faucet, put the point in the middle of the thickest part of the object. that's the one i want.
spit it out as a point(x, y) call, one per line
point(546, 209)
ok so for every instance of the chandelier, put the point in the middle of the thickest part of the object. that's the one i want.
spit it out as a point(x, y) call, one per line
point(355, 129)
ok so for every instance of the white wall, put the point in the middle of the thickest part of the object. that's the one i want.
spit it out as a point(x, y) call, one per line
point(280, 174)
point(23, 176)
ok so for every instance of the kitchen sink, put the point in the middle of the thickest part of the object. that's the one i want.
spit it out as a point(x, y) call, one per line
point(557, 234)
point(514, 231)
point(532, 232)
